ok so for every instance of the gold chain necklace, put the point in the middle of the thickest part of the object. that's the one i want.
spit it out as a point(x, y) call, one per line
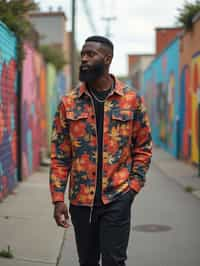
point(102, 100)
point(96, 98)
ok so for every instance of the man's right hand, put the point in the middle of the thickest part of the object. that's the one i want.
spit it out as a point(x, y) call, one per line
point(61, 214)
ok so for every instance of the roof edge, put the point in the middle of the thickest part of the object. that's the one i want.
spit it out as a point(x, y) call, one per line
point(46, 14)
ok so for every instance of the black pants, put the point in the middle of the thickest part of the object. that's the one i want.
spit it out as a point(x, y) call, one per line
point(107, 233)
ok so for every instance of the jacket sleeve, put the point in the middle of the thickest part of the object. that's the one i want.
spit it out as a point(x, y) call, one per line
point(60, 155)
point(141, 146)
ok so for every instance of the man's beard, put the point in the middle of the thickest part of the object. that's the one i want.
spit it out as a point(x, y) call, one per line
point(92, 73)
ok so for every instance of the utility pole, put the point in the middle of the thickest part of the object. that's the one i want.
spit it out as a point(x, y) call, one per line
point(73, 46)
point(108, 20)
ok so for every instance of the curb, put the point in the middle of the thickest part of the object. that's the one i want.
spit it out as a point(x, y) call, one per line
point(195, 193)
point(61, 249)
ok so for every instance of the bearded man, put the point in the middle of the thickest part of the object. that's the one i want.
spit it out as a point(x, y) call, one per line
point(101, 140)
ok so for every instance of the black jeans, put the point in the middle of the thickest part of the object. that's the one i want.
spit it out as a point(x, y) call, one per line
point(107, 233)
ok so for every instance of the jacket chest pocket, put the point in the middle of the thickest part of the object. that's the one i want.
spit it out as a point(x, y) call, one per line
point(122, 121)
point(77, 124)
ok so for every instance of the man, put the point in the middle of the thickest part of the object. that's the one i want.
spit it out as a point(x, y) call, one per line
point(101, 139)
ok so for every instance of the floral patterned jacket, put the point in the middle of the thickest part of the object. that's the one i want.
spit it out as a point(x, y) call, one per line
point(127, 146)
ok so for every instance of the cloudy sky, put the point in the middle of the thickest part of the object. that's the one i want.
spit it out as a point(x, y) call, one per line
point(133, 30)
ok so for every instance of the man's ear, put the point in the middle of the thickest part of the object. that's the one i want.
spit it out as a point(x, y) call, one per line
point(108, 59)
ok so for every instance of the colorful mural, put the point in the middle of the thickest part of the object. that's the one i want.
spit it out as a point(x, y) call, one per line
point(8, 112)
point(40, 68)
point(52, 98)
point(41, 87)
point(33, 110)
point(189, 87)
point(195, 86)
point(161, 93)
point(185, 114)
point(171, 85)
point(61, 84)
point(190, 83)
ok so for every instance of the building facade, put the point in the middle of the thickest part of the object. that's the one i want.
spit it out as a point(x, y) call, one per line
point(137, 65)
point(164, 36)
point(51, 27)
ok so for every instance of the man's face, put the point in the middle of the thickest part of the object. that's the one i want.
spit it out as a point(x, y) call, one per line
point(92, 62)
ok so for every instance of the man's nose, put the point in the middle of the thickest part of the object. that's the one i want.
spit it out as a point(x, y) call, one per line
point(84, 58)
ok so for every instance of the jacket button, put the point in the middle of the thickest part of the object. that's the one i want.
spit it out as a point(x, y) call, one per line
point(91, 192)
point(93, 173)
point(92, 116)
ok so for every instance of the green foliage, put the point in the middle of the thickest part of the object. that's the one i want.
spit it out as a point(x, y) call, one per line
point(14, 14)
point(6, 253)
point(123, 78)
point(53, 55)
point(189, 189)
point(187, 13)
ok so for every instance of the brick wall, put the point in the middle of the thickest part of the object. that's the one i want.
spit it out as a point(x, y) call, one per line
point(164, 36)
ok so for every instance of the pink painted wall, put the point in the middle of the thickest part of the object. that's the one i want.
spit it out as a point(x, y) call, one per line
point(33, 111)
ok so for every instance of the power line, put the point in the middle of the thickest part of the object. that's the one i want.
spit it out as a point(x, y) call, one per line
point(89, 15)
point(108, 21)
point(73, 44)
point(109, 18)
point(73, 57)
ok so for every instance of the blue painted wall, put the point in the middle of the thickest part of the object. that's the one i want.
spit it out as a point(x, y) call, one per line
point(61, 84)
point(161, 92)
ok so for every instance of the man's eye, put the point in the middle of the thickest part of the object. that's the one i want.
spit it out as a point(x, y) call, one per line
point(91, 54)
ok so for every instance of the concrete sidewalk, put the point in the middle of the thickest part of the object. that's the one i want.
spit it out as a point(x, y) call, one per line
point(183, 173)
point(26, 216)
point(27, 225)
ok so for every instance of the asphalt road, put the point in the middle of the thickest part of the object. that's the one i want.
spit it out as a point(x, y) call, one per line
point(165, 227)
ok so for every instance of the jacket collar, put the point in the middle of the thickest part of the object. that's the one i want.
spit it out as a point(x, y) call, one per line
point(119, 87)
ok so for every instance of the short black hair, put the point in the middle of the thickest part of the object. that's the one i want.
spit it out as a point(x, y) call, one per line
point(101, 39)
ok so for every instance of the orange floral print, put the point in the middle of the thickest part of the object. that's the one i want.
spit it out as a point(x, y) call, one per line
point(127, 146)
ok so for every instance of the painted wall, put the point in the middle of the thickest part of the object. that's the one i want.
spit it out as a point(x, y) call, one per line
point(137, 70)
point(52, 98)
point(33, 110)
point(41, 90)
point(189, 84)
point(61, 84)
point(40, 69)
point(8, 112)
point(161, 90)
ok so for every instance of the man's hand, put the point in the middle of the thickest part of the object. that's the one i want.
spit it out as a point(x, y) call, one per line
point(61, 214)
